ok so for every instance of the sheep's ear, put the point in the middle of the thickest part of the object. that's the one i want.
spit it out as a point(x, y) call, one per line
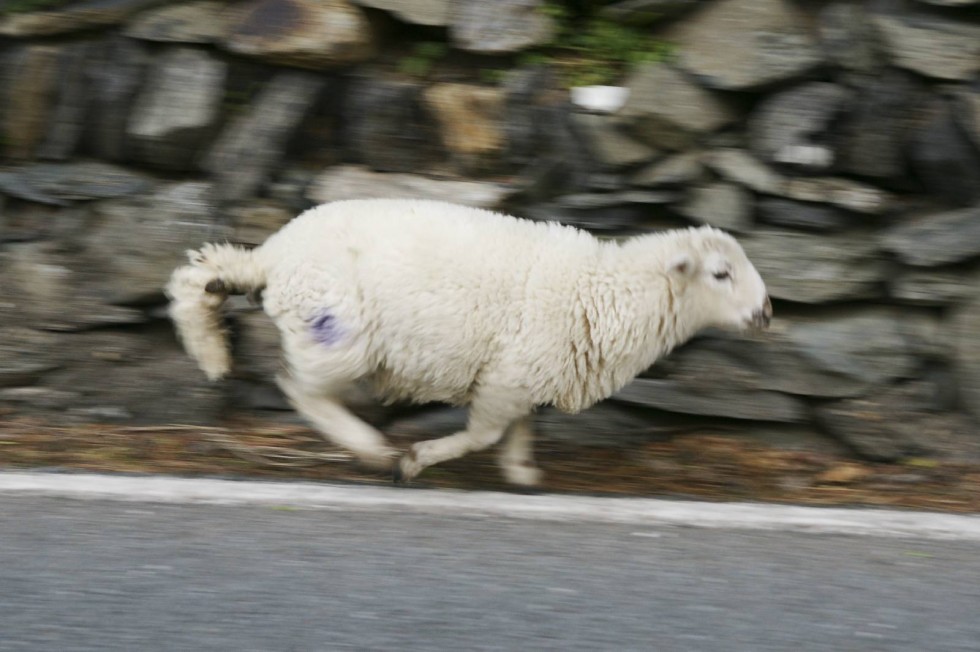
point(681, 264)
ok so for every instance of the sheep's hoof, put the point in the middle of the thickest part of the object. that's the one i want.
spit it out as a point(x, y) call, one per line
point(405, 469)
point(522, 475)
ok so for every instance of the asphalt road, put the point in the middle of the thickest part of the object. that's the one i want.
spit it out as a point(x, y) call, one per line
point(105, 575)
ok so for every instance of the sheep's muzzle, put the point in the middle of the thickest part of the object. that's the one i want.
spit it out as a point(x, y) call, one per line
point(762, 316)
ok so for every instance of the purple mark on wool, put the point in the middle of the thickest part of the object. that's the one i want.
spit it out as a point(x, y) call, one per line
point(326, 330)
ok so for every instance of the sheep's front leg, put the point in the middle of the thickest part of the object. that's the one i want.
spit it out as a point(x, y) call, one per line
point(329, 416)
point(488, 421)
point(517, 455)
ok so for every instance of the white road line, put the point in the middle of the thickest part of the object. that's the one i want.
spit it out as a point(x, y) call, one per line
point(646, 512)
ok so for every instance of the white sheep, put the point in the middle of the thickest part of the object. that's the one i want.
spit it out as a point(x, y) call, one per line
point(438, 302)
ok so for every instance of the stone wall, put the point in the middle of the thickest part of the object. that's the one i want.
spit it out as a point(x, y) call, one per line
point(839, 140)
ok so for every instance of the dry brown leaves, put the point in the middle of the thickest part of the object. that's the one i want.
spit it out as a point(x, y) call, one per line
point(711, 467)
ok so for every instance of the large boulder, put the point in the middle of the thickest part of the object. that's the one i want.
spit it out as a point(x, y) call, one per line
point(140, 240)
point(878, 124)
point(929, 43)
point(70, 103)
point(722, 205)
point(717, 400)
point(30, 76)
point(943, 157)
point(499, 27)
point(470, 120)
point(870, 344)
point(796, 127)
point(178, 110)
point(745, 44)
point(803, 215)
point(72, 17)
point(609, 143)
point(60, 184)
point(250, 147)
point(936, 238)
point(847, 36)
point(387, 126)
point(667, 109)
point(890, 426)
point(306, 33)
point(117, 72)
point(810, 268)
point(203, 21)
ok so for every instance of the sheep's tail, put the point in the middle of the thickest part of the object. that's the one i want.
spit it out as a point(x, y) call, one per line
point(197, 292)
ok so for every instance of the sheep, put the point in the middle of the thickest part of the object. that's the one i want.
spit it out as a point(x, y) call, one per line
point(436, 302)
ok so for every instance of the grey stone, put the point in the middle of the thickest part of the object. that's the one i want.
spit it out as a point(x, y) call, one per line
point(73, 17)
point(851, 195)
point(178, 109)
point(811, 268)
point(847, 36)
point(357, 182)
point(714, 401)
point(256, 221)
point(609, 143)
point(722, 205)
point(500, 27)
point(745, 44)
point(387, 129)
point(665, 109)
point(29, 82)
point(677, 170)
point(931, 287)
point(965, 337)
point(867, 343)
point(141, 240)
point(436, 13)
point(49, 289)
point(470, 120)
point(790, 122)
point(771, 362)
point(61, 183)
point(740, 167)
point(937, 238)
point(25, 356)
point(930, 44)
point(888, 427)
point(116, 75)
point(878, 124)
point(616, 217)
point(313, 34)
point(609, 423)
point(249, 148)
point(204, 22)
point(152, 381)
point(532, 101)
point(70, 104)
point(943, 157)
point(802, 215)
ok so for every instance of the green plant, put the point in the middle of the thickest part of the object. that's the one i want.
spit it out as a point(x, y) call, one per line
point(423, 57)
point(591, 50)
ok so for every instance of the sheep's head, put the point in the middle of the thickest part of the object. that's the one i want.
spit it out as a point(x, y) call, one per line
point(723, 286)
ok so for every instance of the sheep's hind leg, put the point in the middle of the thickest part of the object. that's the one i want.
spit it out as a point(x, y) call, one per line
point(489, 419)
point(336, 423)
point(517, 456)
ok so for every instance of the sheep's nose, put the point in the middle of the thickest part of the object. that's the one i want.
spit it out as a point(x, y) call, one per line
point(762, 316)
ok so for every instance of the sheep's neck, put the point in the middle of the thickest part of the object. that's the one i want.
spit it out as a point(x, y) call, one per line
point(631, 317)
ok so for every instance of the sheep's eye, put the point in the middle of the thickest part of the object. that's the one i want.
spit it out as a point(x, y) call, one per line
point(721, 276)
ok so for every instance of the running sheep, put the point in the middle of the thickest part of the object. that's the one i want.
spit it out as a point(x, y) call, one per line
point(437, 302)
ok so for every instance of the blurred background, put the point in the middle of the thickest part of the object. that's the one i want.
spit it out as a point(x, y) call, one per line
point(839, 141)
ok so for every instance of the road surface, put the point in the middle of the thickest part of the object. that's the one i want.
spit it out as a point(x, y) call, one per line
point(106, 574)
